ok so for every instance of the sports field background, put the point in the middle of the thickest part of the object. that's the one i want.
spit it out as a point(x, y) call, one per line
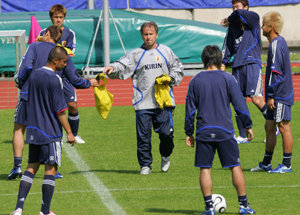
point(107, 181)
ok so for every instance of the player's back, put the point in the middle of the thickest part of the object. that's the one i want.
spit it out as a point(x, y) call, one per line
point(45, 100)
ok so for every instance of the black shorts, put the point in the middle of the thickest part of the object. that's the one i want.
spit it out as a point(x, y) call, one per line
point(228, 152)
point(45, 154)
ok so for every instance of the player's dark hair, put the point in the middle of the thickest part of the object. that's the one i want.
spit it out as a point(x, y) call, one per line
point(55, 32)
point(148, 24)
point(57, 8)
point(57, 52)
point(244, 2)
point(211, 56)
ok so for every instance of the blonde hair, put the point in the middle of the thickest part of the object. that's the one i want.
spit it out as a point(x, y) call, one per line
point(275, 19)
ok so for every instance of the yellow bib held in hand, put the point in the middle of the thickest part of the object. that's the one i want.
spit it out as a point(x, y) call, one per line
point(103, 98)
point(162, 89)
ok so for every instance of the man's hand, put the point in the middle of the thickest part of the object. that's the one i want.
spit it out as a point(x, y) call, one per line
point(189, 140)
point(108, 70)
point(271, 104)
point(250, 134)
point(71, 139)
point(94, 82)
point(224, 22)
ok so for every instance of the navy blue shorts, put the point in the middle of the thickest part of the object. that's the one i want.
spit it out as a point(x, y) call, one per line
point(282, 112)
point(249, 78)
point(45, 154)
point(69, 91)
point(228, 152)
point(20, 115)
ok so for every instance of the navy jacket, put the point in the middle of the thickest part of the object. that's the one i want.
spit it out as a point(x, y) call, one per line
point(209, 96)
point(243, 39)
point(279, 83)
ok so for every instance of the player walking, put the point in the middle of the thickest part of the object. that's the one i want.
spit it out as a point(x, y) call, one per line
point(144, 65)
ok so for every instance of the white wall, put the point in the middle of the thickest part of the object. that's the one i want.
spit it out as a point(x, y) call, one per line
point(290, 13)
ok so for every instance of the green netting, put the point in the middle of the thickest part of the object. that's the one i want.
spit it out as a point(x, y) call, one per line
point(187, 38)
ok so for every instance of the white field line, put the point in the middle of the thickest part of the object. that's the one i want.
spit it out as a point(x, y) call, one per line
point(97, 185)
point(159, 189)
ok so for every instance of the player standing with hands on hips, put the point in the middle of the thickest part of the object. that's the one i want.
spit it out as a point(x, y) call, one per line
point(46, 116)
point(144, 65)
point(209, 96)
point(243, 41)
point(279, 92)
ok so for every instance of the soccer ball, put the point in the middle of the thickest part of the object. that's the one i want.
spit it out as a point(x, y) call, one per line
point(219, 203)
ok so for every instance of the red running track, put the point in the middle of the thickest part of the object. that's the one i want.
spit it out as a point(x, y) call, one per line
point(121, 89)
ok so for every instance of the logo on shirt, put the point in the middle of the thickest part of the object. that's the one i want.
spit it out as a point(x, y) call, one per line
point(157, 58)
point(31, 137)
point(213, 135)
point(153, 66)
point(51, 158)
point(64, 43)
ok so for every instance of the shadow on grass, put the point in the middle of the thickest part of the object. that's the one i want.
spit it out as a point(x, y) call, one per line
point(167, 211)
point(6, 142)
point(109, 171)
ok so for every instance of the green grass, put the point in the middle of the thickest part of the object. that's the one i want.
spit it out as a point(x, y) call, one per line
point(110, 152)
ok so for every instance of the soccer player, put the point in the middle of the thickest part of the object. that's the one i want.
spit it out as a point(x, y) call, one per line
point(279, 93)
point(34, 58)
point(144, 65)
point(57, 15)
point(243, 41)
point(209, 96)
point(46, 116)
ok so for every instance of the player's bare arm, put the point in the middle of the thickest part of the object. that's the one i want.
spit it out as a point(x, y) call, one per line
point(64, 122)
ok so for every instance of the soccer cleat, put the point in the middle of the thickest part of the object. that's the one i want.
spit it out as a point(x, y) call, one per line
point(79, 140)
point(14, 173)
point(17, 212)
point(145, 170)
point(165, 164)
point(211, 211)
point(262, 168)
point(241, 140)
point(50, 213)
point(246, 210)
point(281, 168)
point(58, 175)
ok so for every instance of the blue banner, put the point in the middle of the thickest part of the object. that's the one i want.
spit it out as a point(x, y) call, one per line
point(44, 5)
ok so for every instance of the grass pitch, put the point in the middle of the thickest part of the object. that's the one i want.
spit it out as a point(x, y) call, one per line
point(110, 154)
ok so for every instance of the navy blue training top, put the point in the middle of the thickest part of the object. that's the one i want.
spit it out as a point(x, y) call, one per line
point(243, 40)
point(45, 100)
point(209, 96)
point(278, 82)
point(36, 57)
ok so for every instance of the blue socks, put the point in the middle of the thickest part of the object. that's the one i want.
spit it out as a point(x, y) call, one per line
point(17, 162)
point(208, 202)
point(48, 190)
point(287, 159)
point(267, 158)
point(243, 200)
point(25, 185)
point(74, 122)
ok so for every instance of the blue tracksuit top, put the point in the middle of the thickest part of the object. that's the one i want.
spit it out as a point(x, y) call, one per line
point(46, 101)
point(279, 83)
point(243, 39)
point(209, 96)
point(36, 57)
